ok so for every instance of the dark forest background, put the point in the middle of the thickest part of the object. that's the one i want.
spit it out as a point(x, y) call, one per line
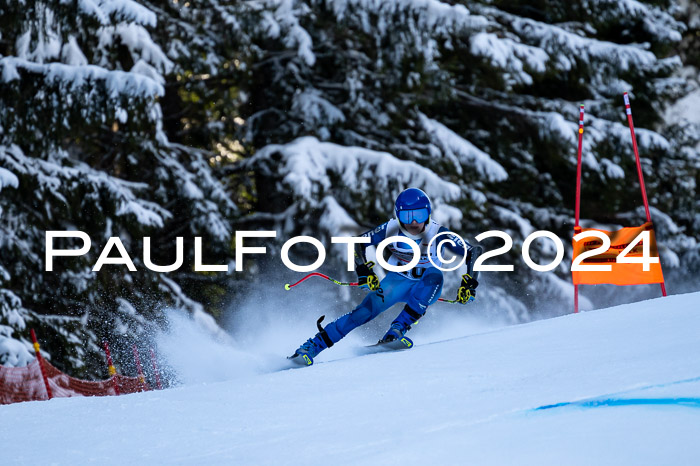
point(199, 118)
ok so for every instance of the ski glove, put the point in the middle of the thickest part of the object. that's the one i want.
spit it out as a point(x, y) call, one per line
point(467, 290)
point(366, 278)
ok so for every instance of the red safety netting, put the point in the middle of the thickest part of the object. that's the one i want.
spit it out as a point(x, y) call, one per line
point(21, 384)
point(26, 384)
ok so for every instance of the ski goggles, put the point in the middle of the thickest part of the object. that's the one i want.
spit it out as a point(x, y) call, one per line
point(419, 215)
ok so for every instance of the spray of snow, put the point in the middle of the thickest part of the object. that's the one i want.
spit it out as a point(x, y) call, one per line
point(273, 322)
point(199, 357)
point(269, 323)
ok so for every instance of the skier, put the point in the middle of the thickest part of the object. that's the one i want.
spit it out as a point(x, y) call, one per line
point(418, 288)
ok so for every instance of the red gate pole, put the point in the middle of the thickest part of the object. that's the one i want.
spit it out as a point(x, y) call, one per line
point(41, 363)
point(139, 370)
point(628, 110)
point(155, 369)
point(577, 228)
point(110, 366)
point(578, 166)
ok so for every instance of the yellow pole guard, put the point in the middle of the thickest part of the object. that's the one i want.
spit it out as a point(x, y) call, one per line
point(580, 130)
point(112, 370)
point(36, 347)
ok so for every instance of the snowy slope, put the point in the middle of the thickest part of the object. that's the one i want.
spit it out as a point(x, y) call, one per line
point(614, 386)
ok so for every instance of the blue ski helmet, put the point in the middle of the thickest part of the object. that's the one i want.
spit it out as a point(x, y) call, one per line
point(412, 204)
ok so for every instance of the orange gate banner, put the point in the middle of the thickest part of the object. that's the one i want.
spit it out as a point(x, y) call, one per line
point(620, 273)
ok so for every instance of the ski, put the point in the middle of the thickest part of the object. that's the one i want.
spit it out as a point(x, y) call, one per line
point(301, 360)
point(404, 343)
point(398, 344)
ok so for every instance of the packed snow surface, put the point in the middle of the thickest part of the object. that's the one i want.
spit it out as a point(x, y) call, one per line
point(611, 386)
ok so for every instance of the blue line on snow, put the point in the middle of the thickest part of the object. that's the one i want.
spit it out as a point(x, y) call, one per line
point(688, 402)
point(597, 402)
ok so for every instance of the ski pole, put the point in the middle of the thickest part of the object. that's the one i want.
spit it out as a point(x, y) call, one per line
point(316, 274)
point(288, 286)
point(450, 301)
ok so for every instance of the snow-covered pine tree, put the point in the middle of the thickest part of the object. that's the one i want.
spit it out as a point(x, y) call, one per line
point(477, 102)
point(683, 123)
point(82, 146)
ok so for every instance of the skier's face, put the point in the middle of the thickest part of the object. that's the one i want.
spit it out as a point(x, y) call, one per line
point(414, 227)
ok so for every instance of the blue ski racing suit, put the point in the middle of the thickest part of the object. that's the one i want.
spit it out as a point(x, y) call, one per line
point(418, 287)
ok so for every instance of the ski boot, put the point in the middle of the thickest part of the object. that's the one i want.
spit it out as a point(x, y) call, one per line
point(305, 354)
point(395, 338)
point(400, 326)
point(395, 332)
